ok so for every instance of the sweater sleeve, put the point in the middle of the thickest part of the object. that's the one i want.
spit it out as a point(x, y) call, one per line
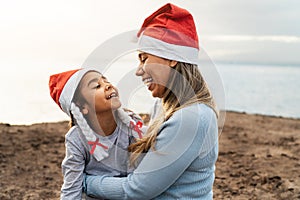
point(72, 168)
point(182, 138)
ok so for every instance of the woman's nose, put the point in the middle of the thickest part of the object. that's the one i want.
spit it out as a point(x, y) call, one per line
point(139, 71)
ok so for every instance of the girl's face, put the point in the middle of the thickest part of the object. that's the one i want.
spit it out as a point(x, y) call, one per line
point(100, 95)
point(155, 72)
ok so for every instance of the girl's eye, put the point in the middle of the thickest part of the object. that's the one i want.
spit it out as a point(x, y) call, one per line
point(98, 86)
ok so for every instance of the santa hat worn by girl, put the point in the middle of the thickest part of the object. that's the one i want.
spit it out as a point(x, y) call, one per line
point(170, 33)
point(62, 90)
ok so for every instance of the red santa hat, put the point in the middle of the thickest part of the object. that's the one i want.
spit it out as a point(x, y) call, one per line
point(63, 86)
point(170, 33)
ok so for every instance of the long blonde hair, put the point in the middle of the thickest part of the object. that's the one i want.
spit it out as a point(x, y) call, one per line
point(185, 87)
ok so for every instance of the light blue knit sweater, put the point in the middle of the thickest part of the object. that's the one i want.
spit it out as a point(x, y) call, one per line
point(182, 167)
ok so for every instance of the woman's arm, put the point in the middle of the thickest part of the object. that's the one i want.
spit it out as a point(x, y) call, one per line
point(181, 140)
point(72, 169)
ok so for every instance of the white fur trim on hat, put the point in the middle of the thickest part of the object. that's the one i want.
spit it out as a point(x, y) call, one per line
point(166, 50)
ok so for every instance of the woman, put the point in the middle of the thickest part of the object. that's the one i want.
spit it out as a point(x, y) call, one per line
point(176, 159)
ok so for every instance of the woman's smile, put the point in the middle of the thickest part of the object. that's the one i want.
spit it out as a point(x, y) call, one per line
point(148, 82)
point(154, 72)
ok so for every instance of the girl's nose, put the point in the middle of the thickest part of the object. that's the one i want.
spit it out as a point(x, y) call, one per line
point(139, 71)
point(108, 86)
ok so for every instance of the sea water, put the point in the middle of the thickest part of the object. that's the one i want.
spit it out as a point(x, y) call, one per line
point(261, 89)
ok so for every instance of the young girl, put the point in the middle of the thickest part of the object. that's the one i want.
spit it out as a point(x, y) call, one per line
point(101, 131)
point(181, 145)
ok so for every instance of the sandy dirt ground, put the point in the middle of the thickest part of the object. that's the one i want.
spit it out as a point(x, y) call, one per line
point(259, 158)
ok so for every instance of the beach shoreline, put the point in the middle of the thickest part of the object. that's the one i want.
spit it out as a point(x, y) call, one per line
point(258, 159)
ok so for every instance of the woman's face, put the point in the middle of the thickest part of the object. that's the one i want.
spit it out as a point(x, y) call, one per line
point(99, 93)
point(155, 72)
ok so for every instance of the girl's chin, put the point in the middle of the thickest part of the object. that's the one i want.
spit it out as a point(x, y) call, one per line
point(115, 104)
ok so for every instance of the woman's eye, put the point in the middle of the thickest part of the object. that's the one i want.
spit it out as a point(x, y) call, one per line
point(143, 60)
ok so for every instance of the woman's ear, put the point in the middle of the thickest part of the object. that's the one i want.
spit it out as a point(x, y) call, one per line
point(173, 63)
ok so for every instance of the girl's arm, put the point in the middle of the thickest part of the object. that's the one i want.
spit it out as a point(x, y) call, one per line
point(182, 139)
point(72, 169)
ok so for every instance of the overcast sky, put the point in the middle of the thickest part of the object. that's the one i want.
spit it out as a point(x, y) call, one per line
point(261, 32)
point(42, 37)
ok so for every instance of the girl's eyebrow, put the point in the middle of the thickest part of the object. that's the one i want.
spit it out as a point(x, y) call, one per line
point(92, 81)
point(105, 79)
